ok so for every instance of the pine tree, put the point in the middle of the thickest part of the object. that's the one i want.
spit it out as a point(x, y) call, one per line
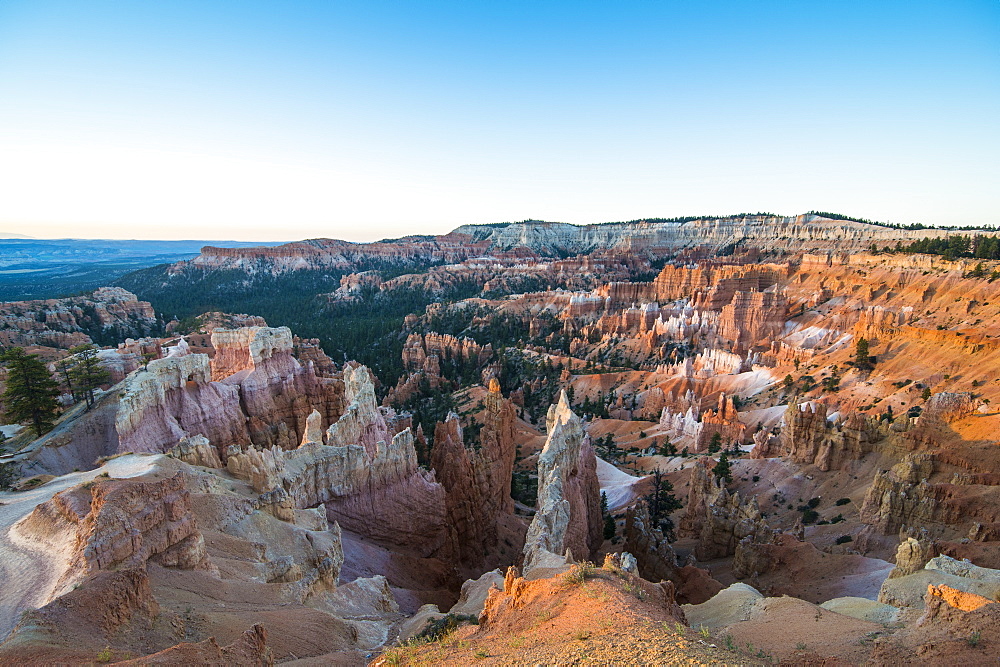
point(64, 369)
point(861, 357)
point(668, 449)
point(661, 502)
point(609, 521)
point(723, 469)
point(88, 372)
point(31, 392)
point(716, 443)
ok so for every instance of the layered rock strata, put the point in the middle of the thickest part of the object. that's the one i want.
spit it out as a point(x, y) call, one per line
point(252, 391)
point(366, 476)
point(122, 523)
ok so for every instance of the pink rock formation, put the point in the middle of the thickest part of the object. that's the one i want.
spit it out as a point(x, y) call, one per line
point(366, 476)
point(174, 399)
point(419, 349)
point(477, 481)
point(123, 523)
point(725, 420)
point(277, 393)
point(261, 395)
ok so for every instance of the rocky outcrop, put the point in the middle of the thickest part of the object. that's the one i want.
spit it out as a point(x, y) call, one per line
point(174, 399)
point(939, 596)
point(718, 519)
point(569, 514)
point(656, 560)
point(912, 555)
point(260, 394)
point(276, 391)
point(112, 607)
point(122, 523)
point(522, 600)
point(654, 555)
point(197, 451)
point(903, 497)
point(366, 476)
point(809, 438)
point(133, 520)
point(426, 352)
point(751, 317)
point(794, 233)
point(477, 480)
point(362, 423)
point(334, 254)
point(724, 420)
point(948, 407)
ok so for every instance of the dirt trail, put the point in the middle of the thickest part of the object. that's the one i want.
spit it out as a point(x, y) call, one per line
point(29, 572)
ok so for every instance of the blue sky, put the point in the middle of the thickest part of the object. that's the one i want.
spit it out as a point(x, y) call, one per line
point(279, 121)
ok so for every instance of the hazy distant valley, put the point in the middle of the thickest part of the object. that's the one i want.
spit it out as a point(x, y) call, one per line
point(43, 269)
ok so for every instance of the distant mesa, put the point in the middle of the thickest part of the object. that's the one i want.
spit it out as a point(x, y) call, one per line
point(10, 235)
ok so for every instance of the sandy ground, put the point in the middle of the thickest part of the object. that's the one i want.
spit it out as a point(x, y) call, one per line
point(29, 572)
point(605, 620)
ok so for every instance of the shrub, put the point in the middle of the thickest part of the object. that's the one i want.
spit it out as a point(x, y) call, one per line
point(842, 501)
point(440, 627)
point(844, 539)
point(578, 574)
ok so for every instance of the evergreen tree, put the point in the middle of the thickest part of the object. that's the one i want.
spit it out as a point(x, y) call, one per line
point(716, 443)
point(87, 371)
point(661, 502)
point(861, 356)
point(31, 392)
point(722, 469)
point(64, 370)
point(609, 521)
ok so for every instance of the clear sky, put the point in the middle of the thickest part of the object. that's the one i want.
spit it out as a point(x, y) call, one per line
point(362, 120)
